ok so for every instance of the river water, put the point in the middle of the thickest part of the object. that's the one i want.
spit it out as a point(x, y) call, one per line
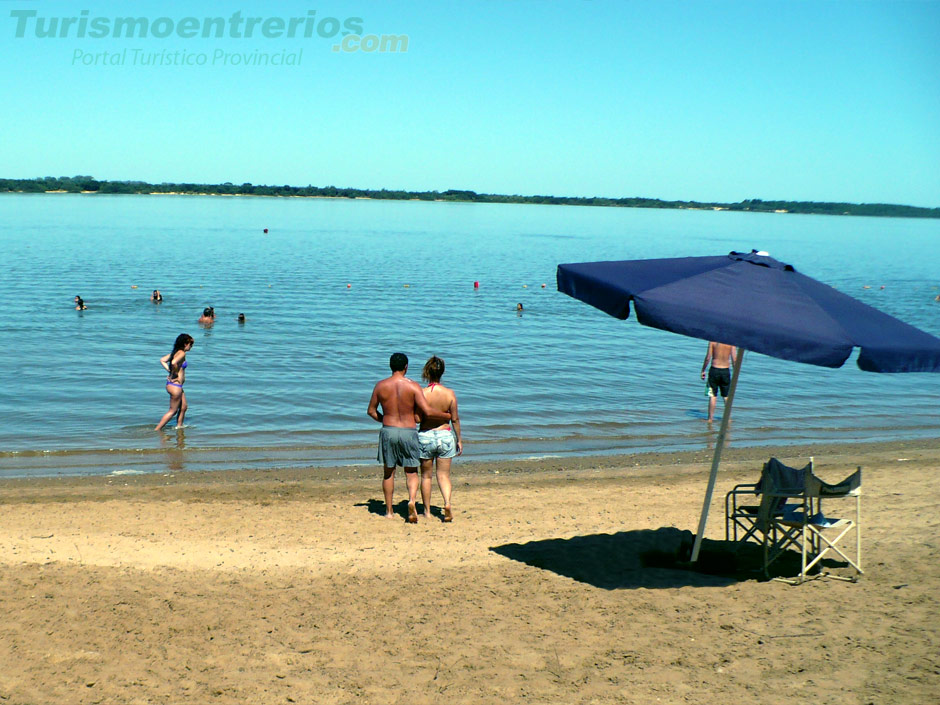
point(335, 286)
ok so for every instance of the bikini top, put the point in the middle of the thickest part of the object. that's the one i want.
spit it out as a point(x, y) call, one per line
point(183, 366)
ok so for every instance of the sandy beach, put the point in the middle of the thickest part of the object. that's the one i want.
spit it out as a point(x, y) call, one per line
point(290, 586)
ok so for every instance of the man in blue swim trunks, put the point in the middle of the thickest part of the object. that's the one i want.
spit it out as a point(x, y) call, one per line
point(400, 398)
point(721, 356)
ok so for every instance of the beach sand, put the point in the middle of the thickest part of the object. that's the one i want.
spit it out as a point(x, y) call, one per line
point(289, 586)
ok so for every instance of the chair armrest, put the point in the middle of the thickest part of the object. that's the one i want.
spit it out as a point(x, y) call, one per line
point(745, 488)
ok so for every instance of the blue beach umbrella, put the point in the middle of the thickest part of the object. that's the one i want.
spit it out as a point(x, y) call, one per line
point(758, 304)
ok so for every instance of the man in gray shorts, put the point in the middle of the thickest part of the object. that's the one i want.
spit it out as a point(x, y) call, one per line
point(400, 398)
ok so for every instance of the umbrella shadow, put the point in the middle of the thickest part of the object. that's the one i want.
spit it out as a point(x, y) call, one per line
point(649, 558)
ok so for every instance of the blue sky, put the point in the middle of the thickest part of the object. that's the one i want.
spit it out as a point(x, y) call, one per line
point(694, 100)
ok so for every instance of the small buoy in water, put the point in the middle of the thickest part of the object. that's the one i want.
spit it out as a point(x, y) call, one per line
point(349, 286)
point(476, 285)
point(265, 231)
point(525, 286)
point(543, 286)
point(134, 286)
point(407, 285)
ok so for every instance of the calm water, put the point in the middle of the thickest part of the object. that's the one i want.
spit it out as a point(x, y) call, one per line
point(290, 387)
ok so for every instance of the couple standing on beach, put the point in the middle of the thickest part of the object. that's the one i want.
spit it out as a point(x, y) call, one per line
point(403, 404)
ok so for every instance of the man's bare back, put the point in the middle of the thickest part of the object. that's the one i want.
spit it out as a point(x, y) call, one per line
point(398, 397)
point(721, 355)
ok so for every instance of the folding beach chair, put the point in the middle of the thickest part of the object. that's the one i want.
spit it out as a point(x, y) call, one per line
point(790, 516)
point(743, 502)
point(799, 522)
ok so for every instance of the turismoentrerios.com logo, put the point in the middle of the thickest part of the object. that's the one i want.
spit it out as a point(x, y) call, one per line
point(30, 24)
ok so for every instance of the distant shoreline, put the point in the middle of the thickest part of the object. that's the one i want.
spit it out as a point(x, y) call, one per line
point(90, 185)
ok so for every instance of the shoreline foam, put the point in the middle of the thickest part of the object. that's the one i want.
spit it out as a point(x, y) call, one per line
point(236, 461)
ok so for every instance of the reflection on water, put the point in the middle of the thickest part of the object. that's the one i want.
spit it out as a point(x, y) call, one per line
point(711, 437)
point(174, 448)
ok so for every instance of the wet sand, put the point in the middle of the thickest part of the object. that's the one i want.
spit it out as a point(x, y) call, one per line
point(290, 586)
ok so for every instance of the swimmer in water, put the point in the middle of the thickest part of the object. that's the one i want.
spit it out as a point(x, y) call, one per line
point(241, 318)
point(79, 303)
point(156, 296)
point(175, 365)
point(208, 317)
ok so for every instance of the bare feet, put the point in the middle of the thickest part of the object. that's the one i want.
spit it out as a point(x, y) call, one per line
point(448, 515)
point(412, 513)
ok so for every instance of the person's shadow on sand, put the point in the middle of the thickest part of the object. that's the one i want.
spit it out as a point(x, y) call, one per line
point(648, 558)
point(377, 506)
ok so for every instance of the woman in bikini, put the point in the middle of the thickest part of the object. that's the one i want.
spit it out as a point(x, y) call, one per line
point(175, 365)
point(439, 443)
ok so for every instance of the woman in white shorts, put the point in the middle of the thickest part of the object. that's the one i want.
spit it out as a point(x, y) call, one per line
point(439, 444)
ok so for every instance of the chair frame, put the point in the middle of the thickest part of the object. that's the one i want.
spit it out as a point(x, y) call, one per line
point(804, 530)
point(741, 517)
point(746, 517)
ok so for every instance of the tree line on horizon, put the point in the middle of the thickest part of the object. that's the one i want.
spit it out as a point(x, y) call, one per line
point(88, 184)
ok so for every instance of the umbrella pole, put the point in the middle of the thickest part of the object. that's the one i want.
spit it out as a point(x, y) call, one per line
point(719, 446)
